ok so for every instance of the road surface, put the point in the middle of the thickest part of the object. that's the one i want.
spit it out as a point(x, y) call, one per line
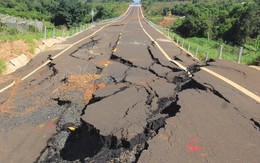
point(123, 92)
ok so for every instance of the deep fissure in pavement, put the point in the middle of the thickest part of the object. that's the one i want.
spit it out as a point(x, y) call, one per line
point(61, 102)
point(156, 60)
point(86, 144)
point(256, 124)
point(54, 72)
point(52, 67)
point(122, 61)
point(185, 83)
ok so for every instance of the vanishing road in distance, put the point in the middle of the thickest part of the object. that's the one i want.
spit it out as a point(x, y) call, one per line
point(121, 91)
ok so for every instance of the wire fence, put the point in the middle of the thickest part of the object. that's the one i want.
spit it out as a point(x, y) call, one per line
point(194, 49)
point(67, 32)
point(21, 25)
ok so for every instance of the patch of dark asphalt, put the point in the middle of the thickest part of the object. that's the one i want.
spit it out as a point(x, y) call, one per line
point(42, 115)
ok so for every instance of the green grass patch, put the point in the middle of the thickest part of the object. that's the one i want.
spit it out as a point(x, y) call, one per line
point(155, 19)
point(2, 66)
point(27, 37)
point(212, 47)
point(30, 37)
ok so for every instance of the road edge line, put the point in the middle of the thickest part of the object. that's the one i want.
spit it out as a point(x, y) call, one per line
point(28, 75)
point(228, 81)
point(7, 87)
point(233, 84)
point(160, 48)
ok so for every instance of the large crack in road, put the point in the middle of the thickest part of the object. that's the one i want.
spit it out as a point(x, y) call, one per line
point(91, 141)
point(88, 143)
point(106, 130)
point(115, 109)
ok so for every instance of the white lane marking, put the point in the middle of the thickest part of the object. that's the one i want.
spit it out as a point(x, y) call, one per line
point(228, 81)
point(44, 64)
point(5, 88)
point(163, 40)
point(235, 85)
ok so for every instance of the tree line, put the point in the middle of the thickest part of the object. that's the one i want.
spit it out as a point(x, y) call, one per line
point(232, 21)
point(62, 12)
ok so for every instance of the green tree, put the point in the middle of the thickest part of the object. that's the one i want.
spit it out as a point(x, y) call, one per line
point(69, 12)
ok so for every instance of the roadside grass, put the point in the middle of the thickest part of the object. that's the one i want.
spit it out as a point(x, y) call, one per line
point(2, 66)
point(27, 37)
point(161, 5)
point(155, 19)
point(249, 56)
point(30, 37)
point(212, 47)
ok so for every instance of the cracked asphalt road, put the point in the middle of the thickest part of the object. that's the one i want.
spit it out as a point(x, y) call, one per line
point(114, 97)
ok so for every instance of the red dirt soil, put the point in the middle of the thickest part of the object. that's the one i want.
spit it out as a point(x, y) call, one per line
point(166, 22)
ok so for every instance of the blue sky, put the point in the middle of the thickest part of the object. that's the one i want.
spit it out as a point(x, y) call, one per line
point(136, 1)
